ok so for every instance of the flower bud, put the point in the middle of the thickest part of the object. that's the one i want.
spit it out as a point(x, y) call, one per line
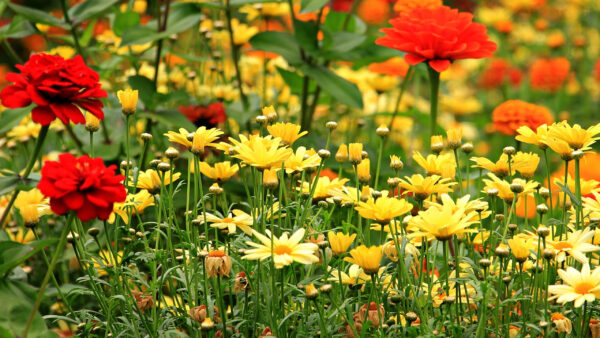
point(543, 231)
point(326, 288)
point(270, 180)
point(382, 131)
point(509, 150)
point(262, 120)
point(541, 209)
point(171, 153)
point(146, 137)
point(454, 137)
point(484, 262)
point(310, 291)
point(92, 123)
point(548, 253)
point(363, 170)
point(492, 192)
point(128, 99)
point(437, 143)
point(499, 218)
point(341, 155)
point(467, 148)
point(331, 125)
point(324, 153)
point(502, 251)
point(163, 166)
point(544, 192)
point(154, 163)
point(393, 182)
point(355, 153)
point(215, 189)
point(93, 231)
point(516, 187)
point(396, 163)
point(577, 154)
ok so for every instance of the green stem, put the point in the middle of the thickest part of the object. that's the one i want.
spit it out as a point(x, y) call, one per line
point(65, 11)
point(434, 85)
point(234, 55)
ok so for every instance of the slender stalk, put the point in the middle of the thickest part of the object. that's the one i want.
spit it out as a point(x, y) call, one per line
point(434, 86)
point(59, 249)
point(234, 55)
point(65, 10)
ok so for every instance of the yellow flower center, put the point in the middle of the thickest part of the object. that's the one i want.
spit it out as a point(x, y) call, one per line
point(282, 250)
point(563, 246)
point(583, 288)
point(227, 220)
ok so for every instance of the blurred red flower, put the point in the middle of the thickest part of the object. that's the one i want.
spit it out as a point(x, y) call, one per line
point(57, 86)
point(84, 185)
point(202, 115)
point(395, 66)
point(597, 70)
point(549, 75)
point(437, 36)
point(512, 114)
point(499, 72)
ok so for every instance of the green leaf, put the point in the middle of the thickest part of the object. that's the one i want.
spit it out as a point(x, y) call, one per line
point(574, 200)
point(87, 34)
point(312, 5)
point(145, 86)
point(37, 16)
point(88, 9)
point(15, 253)
point(8, 184)
point(15, 310)
point(306, 35)
point(19, 28)
point(341, 89)
point(124, 21)
point(342, 42)
point(281, 43)
point(171, 118)
point(181, 18)
point(294, 81)
point(335, 23)
point(11, 117)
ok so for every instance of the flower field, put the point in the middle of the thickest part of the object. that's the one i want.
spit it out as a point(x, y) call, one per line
point(299, 168)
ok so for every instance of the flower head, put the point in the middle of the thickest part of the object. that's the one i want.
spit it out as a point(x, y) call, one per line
point(383, 209)
point(218, 263)
point(236, 219)
point(220, 171)
point(128, 99)
point(287, 132)
point(423, 187)
point(443, 165)
point(514, 114)
point(301, 160)
point(285, 250)
point(442, 222)
point(368, 258)
point(151, 180)
point(134, 204)
point(261, 152)
point(83, 185)
point(340, 242)
point(549, 75)
point(578, 286)
point(58, 87)
point(437, 36)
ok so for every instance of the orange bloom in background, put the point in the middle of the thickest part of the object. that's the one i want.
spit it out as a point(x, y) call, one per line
point(549, 75)
point(311, 15)
point(512, 114)
point(555, 40)
point(395, 66)
point(528, 211)
point(261, 54)
point(437, 36)
point(504, 26)
point(597, 72)
point(174, 60)
point(374, 12)
point(588, 169)
point(499, 72)
point(326, 172)
point(409, 5)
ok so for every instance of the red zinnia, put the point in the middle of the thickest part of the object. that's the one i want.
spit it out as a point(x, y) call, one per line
point(437, 36)
point(84, 185)
point(499, 72)
point(57, 86)
point(549, 75)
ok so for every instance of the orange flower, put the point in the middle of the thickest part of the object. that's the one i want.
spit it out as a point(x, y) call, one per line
point(526, 211)
point(504, 26)
point(549, 75)
point(499, 72)
point(409, 5)
point(597, 70)
point(437, 36)
point(395, 66)
point(512, 114)
point(374, 12)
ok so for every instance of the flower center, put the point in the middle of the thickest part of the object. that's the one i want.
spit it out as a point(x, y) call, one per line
point(583, 288)
point(563, 246)
point(216, 253)
point(227, 220)
point(282, 250)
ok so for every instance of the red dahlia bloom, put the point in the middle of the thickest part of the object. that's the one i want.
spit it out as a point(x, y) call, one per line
point(84, 185)
point(437, 36)
point(207, 116)
point(57, 86)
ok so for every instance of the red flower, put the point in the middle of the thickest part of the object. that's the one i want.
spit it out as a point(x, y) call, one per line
point(499, 72)
point(57, 86)
point(208, 116)
point(437, 36)
point(549, 75)
point(512, 114)
point(84, 185)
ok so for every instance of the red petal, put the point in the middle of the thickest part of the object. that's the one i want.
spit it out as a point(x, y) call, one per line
point(439, 65)
point(15, 97)
point(412, 59)
point(42, 115)
point(74, 200)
